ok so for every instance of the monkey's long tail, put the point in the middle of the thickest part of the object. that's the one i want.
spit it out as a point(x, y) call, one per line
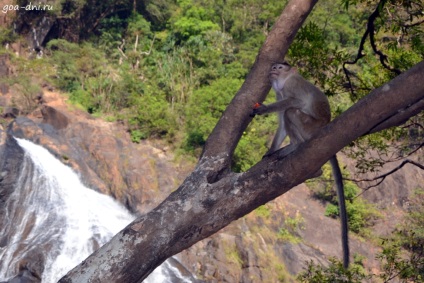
point(337, 174)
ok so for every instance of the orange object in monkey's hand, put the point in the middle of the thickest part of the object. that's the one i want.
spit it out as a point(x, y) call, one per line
point(257, 105)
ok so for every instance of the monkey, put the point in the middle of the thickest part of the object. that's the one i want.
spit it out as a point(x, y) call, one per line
point(303, 110)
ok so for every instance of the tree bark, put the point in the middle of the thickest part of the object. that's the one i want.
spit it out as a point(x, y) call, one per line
point(212, 196)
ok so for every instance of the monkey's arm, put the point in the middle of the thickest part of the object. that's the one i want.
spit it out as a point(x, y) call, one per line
point(278, 106)
point(280, 135)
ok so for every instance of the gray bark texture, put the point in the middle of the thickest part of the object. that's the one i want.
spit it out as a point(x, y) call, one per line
point(212, 196)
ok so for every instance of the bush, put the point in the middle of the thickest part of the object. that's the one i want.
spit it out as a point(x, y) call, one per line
point(205, 107)
point(26, 94)
point(334, 273)
point(151, 117)
point(360, 213)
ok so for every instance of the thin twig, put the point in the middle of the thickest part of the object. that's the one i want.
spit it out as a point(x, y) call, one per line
point(151, 46)
point(382, 177)
point(370, 31)
point(120, 48)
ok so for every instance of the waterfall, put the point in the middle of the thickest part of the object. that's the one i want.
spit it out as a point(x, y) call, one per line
point(52, 217)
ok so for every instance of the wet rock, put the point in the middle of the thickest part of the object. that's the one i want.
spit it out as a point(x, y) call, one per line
point(25, 276)
point(11, 164)
point(11, 158)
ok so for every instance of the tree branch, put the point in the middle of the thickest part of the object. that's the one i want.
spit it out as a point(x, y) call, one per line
point(380, 179)
point(400, 117)
point(151, 47)
point(370, 31)
point(371, 28)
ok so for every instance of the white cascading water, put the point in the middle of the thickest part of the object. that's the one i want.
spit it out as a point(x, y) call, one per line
point(68, 217)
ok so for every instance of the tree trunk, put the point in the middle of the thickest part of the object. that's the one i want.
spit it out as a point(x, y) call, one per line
point(213, 196)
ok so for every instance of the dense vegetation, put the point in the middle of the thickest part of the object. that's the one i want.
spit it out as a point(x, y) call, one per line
point(402, 255)
point(167, 69)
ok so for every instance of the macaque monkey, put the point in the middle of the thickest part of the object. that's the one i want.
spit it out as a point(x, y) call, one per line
point(302, 111)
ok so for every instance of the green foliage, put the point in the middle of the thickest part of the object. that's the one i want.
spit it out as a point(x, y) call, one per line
point(232, 254)
point(415, 217)
point(319, 60)
point(92, 83)
point(398, 263)
point(111, 30)
point(74, 63)
point(6, 36)
point(151, 117)
point(157, 12)
point(339, 27)
point(289, 231)
point(138, 25)
point(402, 256)
point(246, 19)
point(249, 151)
point(334, 273)
point(137, 136)
point(360, 213)
point(194, 20)
point(26, 93)
point(206, 105)
point(263, 211)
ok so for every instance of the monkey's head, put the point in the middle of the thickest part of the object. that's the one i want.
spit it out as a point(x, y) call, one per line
point(280, 70)
point(279, 73)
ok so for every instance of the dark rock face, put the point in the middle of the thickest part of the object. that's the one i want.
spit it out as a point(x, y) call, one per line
point(70, 20)
point(53, 117)
point(35, 23)
point(24, 276)
point(11, 159)
point(12, 162)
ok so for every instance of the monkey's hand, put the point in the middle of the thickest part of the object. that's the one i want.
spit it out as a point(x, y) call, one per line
point(258, 109)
